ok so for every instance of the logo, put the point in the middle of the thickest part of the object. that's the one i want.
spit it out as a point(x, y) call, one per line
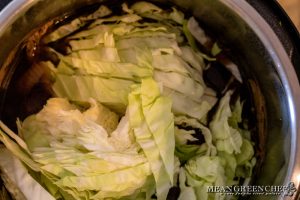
point(290, 190)
point(275, 190)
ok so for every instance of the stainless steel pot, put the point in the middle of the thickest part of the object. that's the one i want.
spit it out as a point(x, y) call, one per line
point(265, 53)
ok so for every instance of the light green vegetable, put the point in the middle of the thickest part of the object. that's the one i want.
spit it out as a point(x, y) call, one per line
point(234, 69)
point(190, 122)
point(96, 33)
point(212, 174)
point(182, 136)
point(110, 92)
point(186, 152)
point(203, 171)
point(246, 154)
point(191, 40)
point(236, 116)
point(67, 132)
point(183, 105)
point(104, 69)
point(75, 148)
point(144, 7)
point(102, 115)
point(149, 10)
point(148, 42)
point(229, 163)
point(131, 116)
point(179, 83)
point(193, 58)
point(104, 54)
point(170, 63)
point(127, 18)
point(226, 137)
point(153, 124)
point(186, 192)
point(160, 120)
point(75, 25)
point(229, 159)
point(18, 180)
point(216, 49)
point(16, 149)
point(196, 31)
point(124, 51)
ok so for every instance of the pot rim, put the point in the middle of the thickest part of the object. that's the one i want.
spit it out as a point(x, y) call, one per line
point(287, 74)
point(17, 7)
point(262, 29)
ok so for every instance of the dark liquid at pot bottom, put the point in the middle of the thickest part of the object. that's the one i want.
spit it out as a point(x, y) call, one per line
point(29, 86)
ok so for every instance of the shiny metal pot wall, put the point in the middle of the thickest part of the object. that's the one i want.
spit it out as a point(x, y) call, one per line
point(256, 48)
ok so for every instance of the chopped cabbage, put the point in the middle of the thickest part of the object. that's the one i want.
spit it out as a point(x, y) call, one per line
point(227, 138)
point(153, 125)
point(132, 115)
point(17, 179)
point(78, 149)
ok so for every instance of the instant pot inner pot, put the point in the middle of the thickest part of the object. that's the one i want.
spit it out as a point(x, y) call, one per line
point(252, 56)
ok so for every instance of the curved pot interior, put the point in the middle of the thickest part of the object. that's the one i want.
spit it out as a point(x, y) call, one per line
point(261, 67)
